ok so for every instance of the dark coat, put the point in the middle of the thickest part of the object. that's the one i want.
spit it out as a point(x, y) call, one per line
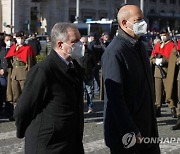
point(49, 112)
point(35, 44)
point(129, 94)
point(88, 62)
point(3, 61)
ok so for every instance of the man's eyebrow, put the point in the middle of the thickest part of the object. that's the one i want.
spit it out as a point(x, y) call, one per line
point(76, 40)
point(138, 19)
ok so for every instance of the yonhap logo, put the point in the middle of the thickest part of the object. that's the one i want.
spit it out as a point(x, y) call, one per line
point(129, 140)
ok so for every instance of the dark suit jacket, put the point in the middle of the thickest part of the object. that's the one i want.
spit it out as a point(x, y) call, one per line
point(49, 112)
point(88, 62)
point(3, 61)
point(35, 44)
point(129, 97)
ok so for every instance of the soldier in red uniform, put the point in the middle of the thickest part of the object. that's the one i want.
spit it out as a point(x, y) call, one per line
point(177, 125)
point(160, 58)
point(20, 58)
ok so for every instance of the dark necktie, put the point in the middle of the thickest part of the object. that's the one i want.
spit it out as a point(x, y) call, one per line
point(72, 69)
point(73, 72)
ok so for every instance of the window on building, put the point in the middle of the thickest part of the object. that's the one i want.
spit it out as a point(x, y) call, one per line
point(163, 1)
point(172, 1)
point(152, 0)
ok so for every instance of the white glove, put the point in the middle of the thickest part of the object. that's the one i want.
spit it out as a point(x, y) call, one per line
point(158, 61)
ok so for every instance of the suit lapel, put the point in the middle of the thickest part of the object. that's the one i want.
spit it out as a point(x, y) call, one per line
point(63, 67)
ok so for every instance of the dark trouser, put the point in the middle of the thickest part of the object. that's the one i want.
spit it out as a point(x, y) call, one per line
point(178, 104)
point(89, 92)
point(97, 79)
point(8, 106)
point(3, 86)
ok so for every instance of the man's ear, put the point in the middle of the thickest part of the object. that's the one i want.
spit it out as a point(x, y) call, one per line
point(124, 23)
point(59, 44)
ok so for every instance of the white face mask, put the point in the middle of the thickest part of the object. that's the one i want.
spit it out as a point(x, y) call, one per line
point(89, 39)
point(139, 28)
point(164, 38)
point(8, 44)
point(20, 41)
point(77, 50)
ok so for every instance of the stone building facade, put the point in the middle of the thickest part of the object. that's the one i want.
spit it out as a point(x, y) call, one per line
point(40, 15)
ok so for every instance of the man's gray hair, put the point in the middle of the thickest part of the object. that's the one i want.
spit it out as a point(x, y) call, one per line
point(59, 32)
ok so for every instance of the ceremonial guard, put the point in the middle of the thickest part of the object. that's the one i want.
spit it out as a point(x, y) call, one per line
point(20, 58)
point(160, 58)
point(177, 76)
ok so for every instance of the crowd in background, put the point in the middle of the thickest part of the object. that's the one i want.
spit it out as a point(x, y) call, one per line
point(94, 48)
point(91, 62)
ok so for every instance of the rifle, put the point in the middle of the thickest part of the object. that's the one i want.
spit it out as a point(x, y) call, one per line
point(163, 73)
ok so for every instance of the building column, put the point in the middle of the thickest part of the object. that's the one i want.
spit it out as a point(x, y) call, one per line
point(1, 24)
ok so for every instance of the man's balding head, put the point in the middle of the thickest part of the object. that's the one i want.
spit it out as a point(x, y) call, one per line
point(131, 13)
point(127, 12)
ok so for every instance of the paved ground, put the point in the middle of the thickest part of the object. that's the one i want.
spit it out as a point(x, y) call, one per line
point(93, 134)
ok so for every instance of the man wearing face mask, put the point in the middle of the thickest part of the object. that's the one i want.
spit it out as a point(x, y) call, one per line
point(3, 74)
point(20, 59)
point(160, 58)
point(128, 87)
point(88, 62)
point(49, 112)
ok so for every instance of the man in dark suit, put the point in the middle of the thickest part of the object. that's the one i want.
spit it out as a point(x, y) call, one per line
point(129, 96)
point(88, 62)
point(35, 44)
point(3, 76)
point(49, 112)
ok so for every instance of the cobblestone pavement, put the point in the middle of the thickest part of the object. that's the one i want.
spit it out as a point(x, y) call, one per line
point(93, 134)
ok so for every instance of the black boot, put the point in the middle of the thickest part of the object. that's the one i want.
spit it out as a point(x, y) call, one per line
point(173, 112)
point(177, 125)
point(158, 112)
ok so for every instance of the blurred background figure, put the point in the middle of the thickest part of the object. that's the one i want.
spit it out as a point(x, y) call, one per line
point(104, 40)
point(93, 46)
point(35, 44)
point(3, 76)
point(88, 62)
point(177, 79)
point(48, 45)
point(156, 40)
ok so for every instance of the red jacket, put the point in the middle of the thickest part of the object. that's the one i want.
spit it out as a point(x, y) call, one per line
point(23, 52)
point(165, 51)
